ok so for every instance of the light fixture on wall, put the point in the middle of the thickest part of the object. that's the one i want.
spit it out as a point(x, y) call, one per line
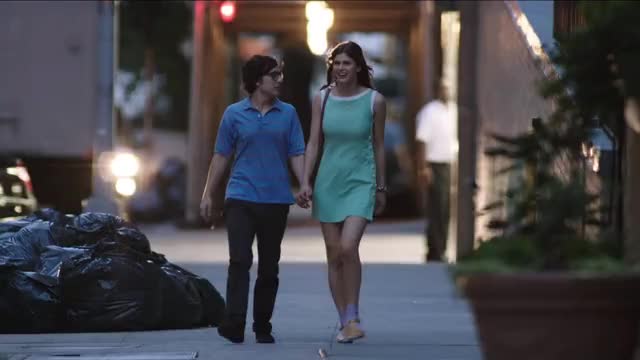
point(591, 154)
point(319, 21)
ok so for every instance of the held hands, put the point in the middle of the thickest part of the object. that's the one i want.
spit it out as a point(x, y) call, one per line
point(304, 196)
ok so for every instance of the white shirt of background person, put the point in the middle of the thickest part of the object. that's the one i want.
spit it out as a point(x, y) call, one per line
point(436, 127)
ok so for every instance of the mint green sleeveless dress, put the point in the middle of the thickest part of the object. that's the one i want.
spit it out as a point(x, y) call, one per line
point(345, 184)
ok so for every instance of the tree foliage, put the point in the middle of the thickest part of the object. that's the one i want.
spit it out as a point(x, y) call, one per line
point(162, 27)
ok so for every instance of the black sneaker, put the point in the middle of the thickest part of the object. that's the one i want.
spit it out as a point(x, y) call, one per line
point(265, 338)
point(434, 259)
point(235, 334)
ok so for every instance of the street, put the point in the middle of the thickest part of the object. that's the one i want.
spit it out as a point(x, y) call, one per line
point(410, 310)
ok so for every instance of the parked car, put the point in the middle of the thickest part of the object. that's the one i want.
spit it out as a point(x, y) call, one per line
point(16, 190)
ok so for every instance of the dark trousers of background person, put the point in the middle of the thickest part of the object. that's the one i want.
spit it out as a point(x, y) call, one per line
point(246, 220)
point(438, 194)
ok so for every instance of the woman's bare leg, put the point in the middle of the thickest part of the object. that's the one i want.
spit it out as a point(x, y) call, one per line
point(332, 233)
point(352, 231)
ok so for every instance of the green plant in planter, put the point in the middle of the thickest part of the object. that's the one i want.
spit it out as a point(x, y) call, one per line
point(550, 209)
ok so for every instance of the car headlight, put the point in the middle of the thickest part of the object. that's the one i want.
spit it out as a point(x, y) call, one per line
point(126, 186)
point(125, 165)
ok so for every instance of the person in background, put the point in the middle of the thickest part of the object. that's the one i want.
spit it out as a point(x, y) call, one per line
point(436, 137)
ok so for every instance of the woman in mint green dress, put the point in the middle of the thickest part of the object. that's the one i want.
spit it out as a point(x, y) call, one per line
point(349, 188)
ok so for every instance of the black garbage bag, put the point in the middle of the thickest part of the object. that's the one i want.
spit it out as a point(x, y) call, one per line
point(95, 272)
point(213, 302)
point(51, 215)
point(21, 250)
point(181, 302)
point(29, 302)
point(12, 226)
point(16, 225)
point(56, 221)
point(92, 228)
point(113, 289)
point(53, 257)
point(98, 222)
point(133, 238)
point(188, 300)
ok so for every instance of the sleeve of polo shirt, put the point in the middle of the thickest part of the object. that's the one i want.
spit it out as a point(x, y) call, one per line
point(225, 141)
point(296, 139)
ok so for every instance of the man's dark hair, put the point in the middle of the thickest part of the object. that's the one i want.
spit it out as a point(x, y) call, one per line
point(254, 69)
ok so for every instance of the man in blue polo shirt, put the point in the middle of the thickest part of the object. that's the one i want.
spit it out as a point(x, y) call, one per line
point(260, 134)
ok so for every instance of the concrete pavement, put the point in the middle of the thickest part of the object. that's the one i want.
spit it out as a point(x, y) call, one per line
point(410, 310)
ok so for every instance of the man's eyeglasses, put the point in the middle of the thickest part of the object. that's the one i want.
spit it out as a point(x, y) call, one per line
point(276, 75)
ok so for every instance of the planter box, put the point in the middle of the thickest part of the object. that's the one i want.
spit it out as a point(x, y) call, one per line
point(554, 316)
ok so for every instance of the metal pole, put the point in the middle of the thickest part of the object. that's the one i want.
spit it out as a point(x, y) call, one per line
point(192, 215)
point(102, 199)
point(116, 53)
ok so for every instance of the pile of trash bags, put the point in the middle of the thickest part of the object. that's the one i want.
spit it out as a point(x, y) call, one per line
point(94, 272)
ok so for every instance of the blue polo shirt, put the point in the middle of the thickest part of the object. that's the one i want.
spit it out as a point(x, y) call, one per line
point(262, 145)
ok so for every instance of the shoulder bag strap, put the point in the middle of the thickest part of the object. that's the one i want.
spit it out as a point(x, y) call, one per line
point(324, 104)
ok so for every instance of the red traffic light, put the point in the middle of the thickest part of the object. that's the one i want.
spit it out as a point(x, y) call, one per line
point(228, 11)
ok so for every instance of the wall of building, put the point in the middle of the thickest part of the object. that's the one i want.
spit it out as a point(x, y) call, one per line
point(507, 99)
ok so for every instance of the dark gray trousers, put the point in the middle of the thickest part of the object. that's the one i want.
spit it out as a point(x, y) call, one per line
point(246, 220)
point(438, 194)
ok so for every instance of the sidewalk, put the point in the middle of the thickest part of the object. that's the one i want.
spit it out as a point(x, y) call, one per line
point(410, 311)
